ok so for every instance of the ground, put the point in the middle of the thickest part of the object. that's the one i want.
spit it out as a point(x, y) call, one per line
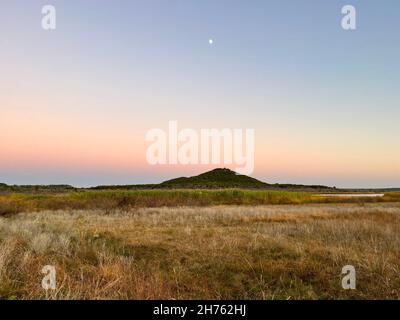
point(215, 252)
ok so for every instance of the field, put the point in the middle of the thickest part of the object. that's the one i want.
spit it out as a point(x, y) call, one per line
point(110, 200)
point(198, 245)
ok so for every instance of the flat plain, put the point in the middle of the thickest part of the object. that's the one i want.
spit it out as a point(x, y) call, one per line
point(281, 251)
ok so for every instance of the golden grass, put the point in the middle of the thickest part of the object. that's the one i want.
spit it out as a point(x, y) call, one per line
point(223, 252)
point(111, 200)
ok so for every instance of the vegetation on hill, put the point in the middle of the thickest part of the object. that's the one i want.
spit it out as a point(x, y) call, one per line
point(225, 178)
point(217, 178)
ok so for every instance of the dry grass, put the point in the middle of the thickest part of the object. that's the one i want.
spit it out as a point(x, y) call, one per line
point(264, 252)
point(111, 200)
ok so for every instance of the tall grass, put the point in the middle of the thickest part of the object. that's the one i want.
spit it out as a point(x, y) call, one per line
point(122, 199)
point(235, 252)
point(145, 198)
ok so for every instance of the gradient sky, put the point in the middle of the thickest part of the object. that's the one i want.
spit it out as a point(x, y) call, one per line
point(76, 103)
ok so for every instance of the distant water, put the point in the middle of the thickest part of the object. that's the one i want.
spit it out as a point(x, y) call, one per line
point(353, 195)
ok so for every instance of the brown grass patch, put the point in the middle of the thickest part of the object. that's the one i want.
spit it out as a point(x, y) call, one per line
point(225, 252)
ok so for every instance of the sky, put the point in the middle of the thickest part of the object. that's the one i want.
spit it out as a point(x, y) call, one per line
point(76, 102)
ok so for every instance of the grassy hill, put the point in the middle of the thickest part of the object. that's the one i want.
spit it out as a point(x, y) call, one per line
point(225, 178)
point(217, 178)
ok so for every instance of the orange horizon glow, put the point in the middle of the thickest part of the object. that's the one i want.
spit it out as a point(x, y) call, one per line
point(79, 146)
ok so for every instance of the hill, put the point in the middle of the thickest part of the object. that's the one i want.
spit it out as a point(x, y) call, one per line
point(225, 178)
point(220, 178)
point(217, 178)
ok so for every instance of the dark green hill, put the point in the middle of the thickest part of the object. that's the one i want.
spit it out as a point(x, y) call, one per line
point(217, 178)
